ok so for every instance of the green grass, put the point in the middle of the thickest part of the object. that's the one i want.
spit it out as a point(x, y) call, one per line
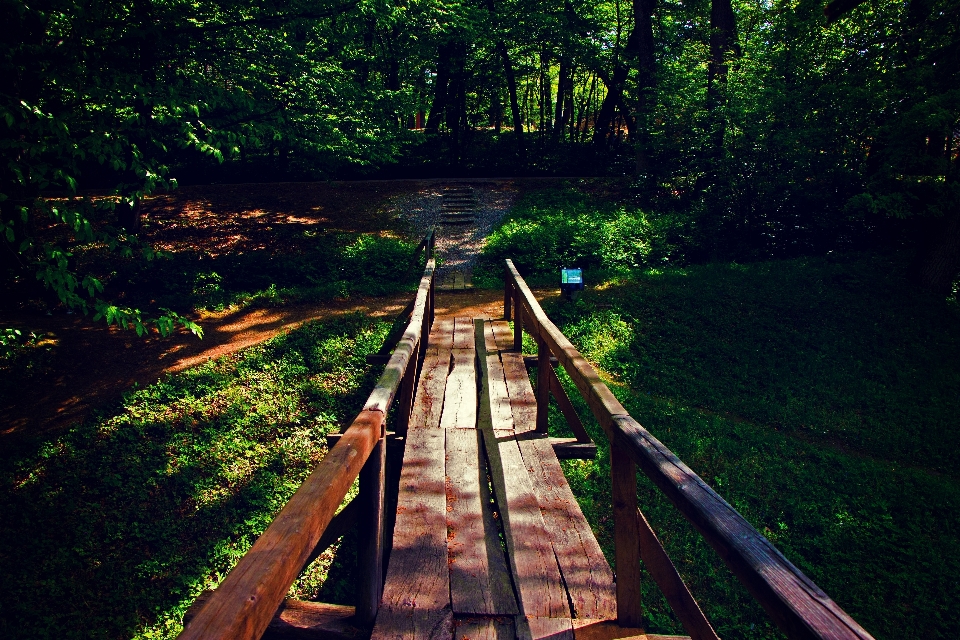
point(111, 528)
point(819, 396)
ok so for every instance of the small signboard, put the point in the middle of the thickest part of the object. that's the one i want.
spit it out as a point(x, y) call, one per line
point(571, 283)
point(571, 276)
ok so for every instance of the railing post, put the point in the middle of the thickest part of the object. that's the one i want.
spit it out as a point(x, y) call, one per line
point(543, 385)
point(405, 405)
point(518, 327)
point(626, 533)
point(370, 530)
point(507, 294)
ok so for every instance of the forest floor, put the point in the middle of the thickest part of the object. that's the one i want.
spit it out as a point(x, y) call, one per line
point(90, 364)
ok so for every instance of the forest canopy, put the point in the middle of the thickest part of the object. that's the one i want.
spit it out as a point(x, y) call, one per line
point(773, 130)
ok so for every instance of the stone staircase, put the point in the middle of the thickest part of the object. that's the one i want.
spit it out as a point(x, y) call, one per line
point(459, 206)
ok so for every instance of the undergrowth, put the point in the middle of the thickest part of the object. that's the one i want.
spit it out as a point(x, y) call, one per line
point(113, 527)
point(819, 397)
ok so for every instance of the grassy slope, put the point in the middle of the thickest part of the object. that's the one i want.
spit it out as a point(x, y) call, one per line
point(820, 398)
point(112, 528)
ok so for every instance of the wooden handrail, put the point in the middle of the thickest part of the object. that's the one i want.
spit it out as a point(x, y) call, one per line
point(798, 606)
point(243, 605)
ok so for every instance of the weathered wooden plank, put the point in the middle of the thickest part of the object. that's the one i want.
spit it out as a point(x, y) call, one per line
point(502, 335)
point(496, 385)
point(678, 596)
point(416, 595)
point(586, 572)
point(570, 449)
point(299, 619)
point(523, 402)
point(543, 385)
point(244, 604)
point(460, 397)
point(441, 335)
point(605, 630)
point(536, 628)
point(407, 623)
point(498, 628)
point(428, 404)
point(463, 333)
point(535, 572)
point(479, 577)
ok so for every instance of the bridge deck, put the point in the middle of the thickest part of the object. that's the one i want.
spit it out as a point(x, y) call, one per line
point(489, 540)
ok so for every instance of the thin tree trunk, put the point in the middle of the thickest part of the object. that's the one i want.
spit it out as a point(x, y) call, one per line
point(646, 82)
point(439, 105)
point(723, 39)
point(514, 102)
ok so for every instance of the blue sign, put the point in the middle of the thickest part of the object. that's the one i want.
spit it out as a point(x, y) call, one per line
point(571, 276)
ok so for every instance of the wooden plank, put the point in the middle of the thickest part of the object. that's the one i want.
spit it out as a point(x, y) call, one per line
point(605, 630)
point(678, 596)
point(503, 336)
point(479, 577)
point(499, 628)
point(463, 333)
point(416, 595)
point(412, 624)
point(570, 449)
point(523, 402)
point(586, 572)
point(428, 404)
point(536, 628)
point(244, 604)
point(795, 603)
point(496, 384)
point(623, 485)
point(441, 335)
point(299, 619)
point(535, 573)
point(460, 396)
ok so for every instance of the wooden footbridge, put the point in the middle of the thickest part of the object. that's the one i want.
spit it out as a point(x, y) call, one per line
point(476, 535)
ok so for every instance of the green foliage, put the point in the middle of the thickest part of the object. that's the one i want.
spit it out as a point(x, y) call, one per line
point(818, 397)
point(332, 265)
point(115, 525)
point(548, 230)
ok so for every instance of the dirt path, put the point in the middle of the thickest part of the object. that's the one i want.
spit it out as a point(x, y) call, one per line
point(96, 364)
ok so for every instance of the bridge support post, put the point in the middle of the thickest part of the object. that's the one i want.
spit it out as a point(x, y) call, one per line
point(507, 296)
point(626, 532)
point(544, 369)
point(370, 530)
point(518, 328)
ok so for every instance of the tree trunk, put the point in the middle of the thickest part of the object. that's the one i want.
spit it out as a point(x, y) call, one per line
point(646, 82)
point(723, 39)
point(439, 105)
point(514, 101)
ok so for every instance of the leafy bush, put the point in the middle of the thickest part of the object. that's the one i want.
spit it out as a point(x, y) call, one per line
point(548, 230)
